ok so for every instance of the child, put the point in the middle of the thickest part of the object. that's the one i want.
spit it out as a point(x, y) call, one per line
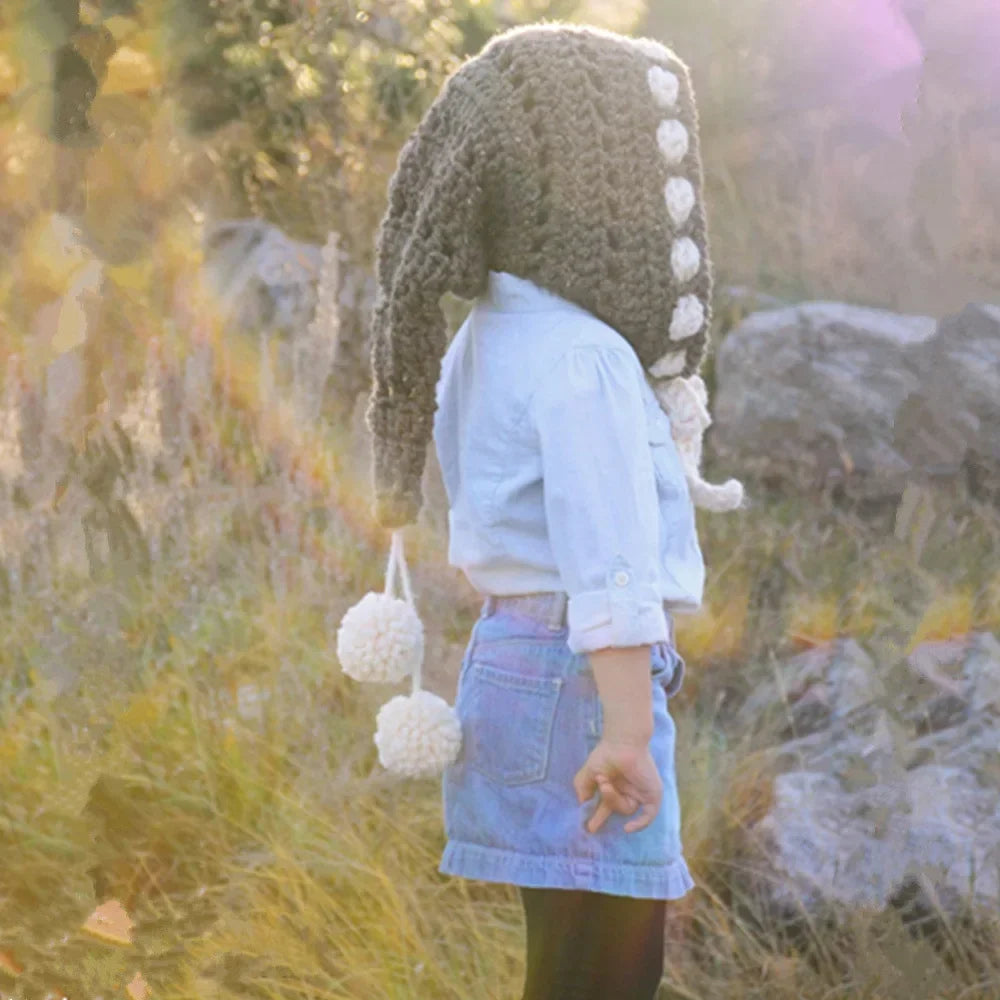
point(556, 181)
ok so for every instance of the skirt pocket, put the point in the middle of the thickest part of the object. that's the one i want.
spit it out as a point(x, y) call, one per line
point(507, 720)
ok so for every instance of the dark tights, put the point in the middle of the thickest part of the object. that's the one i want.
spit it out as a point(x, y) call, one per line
point(592, 946)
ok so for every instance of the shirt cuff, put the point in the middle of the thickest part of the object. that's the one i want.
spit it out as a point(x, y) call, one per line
point(623, 613)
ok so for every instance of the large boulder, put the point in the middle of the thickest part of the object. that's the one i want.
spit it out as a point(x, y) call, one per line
point(264, 280)
point(824, 391)
point(876, 789)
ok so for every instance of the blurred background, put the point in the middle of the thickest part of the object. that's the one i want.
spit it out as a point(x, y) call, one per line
point(190, 801)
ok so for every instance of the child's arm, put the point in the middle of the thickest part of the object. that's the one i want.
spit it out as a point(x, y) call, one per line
point(603, 524)
point(622, 675)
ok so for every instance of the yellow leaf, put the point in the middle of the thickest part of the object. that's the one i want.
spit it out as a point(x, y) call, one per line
point(862, 612)
point(90, 13)
point(158, 167)
point(143, 711)
point(8, 76)
point(71, 327)
point(138, 988)
point(121, 27)
point(130, 72)
point(136, 277)
point(181, 249)
point(26, 162)
point(52, 253)
point(110, 922)
point(10, 964)
point(948, 616)
point(713, 632)
point(812, 621)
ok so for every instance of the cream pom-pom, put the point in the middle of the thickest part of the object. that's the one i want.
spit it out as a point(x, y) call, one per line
point(381, 638)
point(728, 496)
point(672, 138)
point(664, 86)
point(685, 258)
point(417, 735)
point(688, 317)
point(679, 195)
point(670, 364)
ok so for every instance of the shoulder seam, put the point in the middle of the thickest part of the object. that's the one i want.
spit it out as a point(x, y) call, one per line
point(624, 350)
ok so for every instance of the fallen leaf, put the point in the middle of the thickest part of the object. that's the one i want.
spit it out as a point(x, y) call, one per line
point(138, 988)
point(110, 922)
point(9, 964)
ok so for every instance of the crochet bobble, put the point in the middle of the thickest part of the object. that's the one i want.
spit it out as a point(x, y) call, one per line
point(679, 195)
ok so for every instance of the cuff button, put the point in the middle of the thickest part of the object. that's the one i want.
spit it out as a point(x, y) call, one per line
point(621, 578)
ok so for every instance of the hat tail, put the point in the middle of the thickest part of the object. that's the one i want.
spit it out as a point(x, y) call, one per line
point(430, 241)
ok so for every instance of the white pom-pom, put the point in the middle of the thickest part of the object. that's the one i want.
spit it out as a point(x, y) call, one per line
point(678, 193)
point(417, 735)
point(728, 496)
point(381, 638)
point(672, 138)
point(685, 258)
point(664, 85)
point(670, 364)
point(688, 317)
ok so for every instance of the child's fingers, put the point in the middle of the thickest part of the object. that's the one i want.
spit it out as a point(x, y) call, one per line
point(599, 815)
point(584, 784)
point(620, 802)
point(648, 814)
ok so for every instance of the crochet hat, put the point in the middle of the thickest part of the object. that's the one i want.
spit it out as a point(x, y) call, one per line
point(564, 154)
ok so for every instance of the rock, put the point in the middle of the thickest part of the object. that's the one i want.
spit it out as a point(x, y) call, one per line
point(981, 673)
point(959, 371)
point(733, 303)
point(266, 281)
point(263, 279)
point(825, 392)
point(839, 675)
point(875, 797)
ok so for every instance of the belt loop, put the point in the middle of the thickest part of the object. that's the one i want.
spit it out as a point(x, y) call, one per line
point(558, 617)
point(490, 606)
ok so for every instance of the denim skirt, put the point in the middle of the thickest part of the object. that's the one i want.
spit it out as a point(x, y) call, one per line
point(531, 713)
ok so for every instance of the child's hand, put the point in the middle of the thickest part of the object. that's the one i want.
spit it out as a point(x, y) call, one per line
point(626, 776)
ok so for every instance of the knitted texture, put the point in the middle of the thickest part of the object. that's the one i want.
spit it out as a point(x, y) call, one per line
point(565, 154)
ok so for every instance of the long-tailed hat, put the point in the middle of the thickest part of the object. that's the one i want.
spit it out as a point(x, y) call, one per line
point(561, 153)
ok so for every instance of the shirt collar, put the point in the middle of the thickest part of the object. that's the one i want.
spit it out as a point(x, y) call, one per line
point(511, 293)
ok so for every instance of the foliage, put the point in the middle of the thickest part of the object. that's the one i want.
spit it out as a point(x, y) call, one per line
point(181, 531)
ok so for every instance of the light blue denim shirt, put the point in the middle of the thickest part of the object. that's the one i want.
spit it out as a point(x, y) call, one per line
point(560, 469)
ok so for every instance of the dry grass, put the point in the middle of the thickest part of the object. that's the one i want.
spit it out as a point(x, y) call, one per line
point(262, 852)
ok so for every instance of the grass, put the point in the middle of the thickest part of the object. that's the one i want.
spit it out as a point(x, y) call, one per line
point(261, 850)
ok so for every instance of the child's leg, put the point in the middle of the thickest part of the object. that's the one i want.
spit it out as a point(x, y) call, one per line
point(592, 946)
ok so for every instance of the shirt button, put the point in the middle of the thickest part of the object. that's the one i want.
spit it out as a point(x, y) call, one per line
point(621, 578)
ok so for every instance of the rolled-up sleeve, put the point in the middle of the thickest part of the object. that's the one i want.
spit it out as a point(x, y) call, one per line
point(600, 495)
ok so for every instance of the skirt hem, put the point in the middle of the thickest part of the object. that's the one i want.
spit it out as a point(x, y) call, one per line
point(489, 864)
